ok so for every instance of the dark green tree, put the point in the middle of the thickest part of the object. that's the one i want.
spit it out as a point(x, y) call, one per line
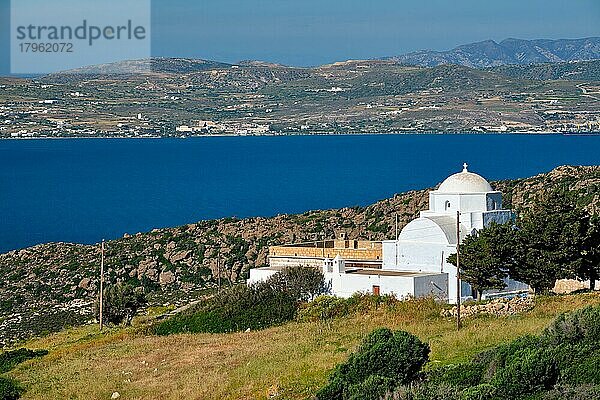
point(302, 283)
point(485, 257)
point(589, 265)
point(121, 302)
point(385, 359)
point(548, 245)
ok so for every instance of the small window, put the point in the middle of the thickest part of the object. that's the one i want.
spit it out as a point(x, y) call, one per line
point(447, 205)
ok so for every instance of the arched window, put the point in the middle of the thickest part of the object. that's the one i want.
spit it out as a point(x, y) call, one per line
point(447, 205)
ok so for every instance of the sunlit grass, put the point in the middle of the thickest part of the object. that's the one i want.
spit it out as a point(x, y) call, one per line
point(293, 359)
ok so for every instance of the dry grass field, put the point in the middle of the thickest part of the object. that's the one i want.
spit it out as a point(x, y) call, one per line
point(289, 361)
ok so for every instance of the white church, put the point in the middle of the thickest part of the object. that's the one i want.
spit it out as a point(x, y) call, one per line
point(413, 264)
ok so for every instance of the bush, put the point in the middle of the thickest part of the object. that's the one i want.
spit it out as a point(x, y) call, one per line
point(460, 375)
point(375, 387)
point(302, 283)
point(242, 307)
point(582, 392)
point(10, 359)
point(578, 364)
point(323, 308)
point(235, 309)
point(121, 302)
point(426, 391)
point(495, 359)
point(9, 389)
point(527, 371)
point(482, 391)
point(574, 327)
point(397, 356)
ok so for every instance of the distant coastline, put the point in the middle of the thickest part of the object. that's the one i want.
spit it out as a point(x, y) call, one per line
point(304, 134)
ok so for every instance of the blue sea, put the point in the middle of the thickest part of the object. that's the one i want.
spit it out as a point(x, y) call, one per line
point(83, 190)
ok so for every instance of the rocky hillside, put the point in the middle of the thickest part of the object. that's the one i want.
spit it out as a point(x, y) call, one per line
point(49, 286)
point(488, 53)
point(572, 71)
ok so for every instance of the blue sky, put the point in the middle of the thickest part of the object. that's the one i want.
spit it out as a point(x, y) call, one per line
point(312, 32)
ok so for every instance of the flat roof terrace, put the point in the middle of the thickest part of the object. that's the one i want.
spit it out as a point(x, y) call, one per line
point(354, 250)
point(387, 272)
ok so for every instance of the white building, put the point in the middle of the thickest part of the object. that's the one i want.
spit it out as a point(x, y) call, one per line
point(414, 264)
point(425, 243)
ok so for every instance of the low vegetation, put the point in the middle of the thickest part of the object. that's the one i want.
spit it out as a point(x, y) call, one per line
point(258, 306)
point(121, 303)
point(289, 361)
point(565, 358)
point(9, 388)
point(384, 360)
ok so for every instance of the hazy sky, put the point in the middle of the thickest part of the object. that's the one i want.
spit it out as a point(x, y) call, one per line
point(310, 32)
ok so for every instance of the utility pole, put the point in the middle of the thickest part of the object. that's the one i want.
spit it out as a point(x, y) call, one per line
point(102, 285)
point(396, 240)
point(458, 270)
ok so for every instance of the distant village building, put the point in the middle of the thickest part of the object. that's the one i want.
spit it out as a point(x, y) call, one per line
point(413, 264)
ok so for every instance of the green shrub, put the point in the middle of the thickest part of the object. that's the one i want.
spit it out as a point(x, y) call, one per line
point(235, 309)
point(482, 391)
point(242, 307)
point(397, 356)
point(323, 308)
point(426, 391)
point(581, 392)
point(460, 375)
point(375, 387)
point(302, 283)
point(121, 303)
point(574, 327)
point(578, 364)
point(10, 359)
point(526, 371)
point(9, 389)
point(497, 358)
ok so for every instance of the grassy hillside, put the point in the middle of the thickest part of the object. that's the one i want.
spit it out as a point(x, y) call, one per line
point(292, 360)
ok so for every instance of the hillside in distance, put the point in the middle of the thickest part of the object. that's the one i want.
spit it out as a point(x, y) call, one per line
point(179, 97)
point(573, 71)
point(489, 53)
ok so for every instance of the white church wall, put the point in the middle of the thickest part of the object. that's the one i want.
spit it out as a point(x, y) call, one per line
point(472, 221)
point(443, 203)
point(473, 202)
point(388, 250)
point(346, 284)
point(260, 274)
point(421, 257)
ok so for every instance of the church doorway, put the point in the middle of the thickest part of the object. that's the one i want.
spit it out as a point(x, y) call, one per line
point(375, 290)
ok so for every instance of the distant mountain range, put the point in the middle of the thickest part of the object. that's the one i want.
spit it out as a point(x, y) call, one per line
point(509, 51)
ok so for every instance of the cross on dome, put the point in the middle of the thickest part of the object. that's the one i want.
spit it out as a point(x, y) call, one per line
point(465, 165)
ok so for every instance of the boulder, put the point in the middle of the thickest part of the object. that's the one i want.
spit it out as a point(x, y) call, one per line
point(85, 283)
point(152, 274)
point(166, 278)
